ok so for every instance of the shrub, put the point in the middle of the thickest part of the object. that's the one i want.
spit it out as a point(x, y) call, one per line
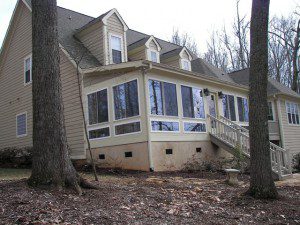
point(15, 157)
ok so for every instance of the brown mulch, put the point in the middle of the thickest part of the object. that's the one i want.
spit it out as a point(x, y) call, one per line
point(149, 198)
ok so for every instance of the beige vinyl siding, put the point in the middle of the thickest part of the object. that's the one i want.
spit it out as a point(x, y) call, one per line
point(291, 133)
point(17, 98)
point(153, 46)
point(115, 26)
point(172, 62)
point(138, 55)
point(72, 108)
point(93, 39)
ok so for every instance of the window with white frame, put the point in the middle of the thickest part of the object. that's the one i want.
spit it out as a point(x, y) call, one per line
point(154, 55)
point(27, 70)
point(192, 102)
point(194, 127)
point(21, 125)
point(168, 126)
point(128, 128)
point(163, 98)
point(243, 109)
point(270, 111)
point(99, 133)
point(116, 48)
point(98, 107)
point(292, 110)
point(186, 64)
point(229, 107)
point(126, 100)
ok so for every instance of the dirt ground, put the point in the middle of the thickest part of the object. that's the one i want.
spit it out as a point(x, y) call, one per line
point(149, 198)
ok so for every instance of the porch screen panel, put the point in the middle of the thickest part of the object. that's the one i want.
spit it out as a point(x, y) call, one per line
point(170, 97)
point(98, 107)
point(243, 109)
point(228, 107)
point(156, 100)
point(126, 103)
point(192, 102)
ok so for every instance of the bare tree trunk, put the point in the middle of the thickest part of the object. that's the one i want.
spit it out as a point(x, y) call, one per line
point(261, 182)
point(51, 164)
point(295, 57)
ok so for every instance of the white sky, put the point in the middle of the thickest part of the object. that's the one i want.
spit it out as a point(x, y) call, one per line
point(160, 17)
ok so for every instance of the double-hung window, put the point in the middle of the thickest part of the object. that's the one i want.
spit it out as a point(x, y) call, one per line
point(186, 64)
point(243, 109)
point(27, 70)
point(98, 113)
point(116, 48)
point(21, 125)
point(126, 100)
point(229, 107)
point(163, 98)
point(270, 111)
point(292, 110)
point(192, 102)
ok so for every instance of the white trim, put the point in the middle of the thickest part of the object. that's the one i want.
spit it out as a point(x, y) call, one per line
point(125, 48)
point(24, 69)
point(87, 106)
point(152, 38)
point(127, 122)
point(187, 52)
point(105, 47)
point(194, 132)
point(113, 99)
point(98, 128)
point(111, 12)
point(165, 120)
point(20, 114)
point(110, 47)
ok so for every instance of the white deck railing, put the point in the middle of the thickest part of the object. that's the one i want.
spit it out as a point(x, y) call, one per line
point(238, 137)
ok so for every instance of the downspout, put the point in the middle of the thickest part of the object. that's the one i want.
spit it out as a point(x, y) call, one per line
point(144, 72)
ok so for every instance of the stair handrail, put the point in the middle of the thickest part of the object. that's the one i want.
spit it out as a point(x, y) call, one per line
point(279, 155)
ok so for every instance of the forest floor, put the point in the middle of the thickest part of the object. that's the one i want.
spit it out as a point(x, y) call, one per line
point(147, 198)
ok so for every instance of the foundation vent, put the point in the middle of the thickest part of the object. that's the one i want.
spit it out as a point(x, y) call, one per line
point(128, 154)
point(198, 149)
point(101, 156)
point(169, 151)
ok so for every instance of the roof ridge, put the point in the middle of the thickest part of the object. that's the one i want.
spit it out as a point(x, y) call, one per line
point(238, 70)
point(76, 12)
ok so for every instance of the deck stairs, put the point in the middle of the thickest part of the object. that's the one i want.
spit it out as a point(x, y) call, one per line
point(230, 136)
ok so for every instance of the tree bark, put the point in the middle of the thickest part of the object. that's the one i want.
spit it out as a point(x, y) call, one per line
point(261, 181)
point(51, 164)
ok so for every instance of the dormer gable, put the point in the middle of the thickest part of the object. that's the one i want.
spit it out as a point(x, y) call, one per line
point(179, 57)
point(105, 37)
point(146, 48)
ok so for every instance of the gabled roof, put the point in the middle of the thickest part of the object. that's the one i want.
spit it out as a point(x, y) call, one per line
point(274, 87)
point(144, 41)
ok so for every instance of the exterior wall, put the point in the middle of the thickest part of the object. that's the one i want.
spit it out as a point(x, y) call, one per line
point(16, 98)
point(115, 156)
point(115, 140)
point(115, 26)
point(174, 61)
point(185, 155)
point(290, 132)
point(141, 54)
point(185, 55)
point(93, 39)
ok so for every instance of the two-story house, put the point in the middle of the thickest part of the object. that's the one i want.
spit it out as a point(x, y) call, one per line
point(148, 104)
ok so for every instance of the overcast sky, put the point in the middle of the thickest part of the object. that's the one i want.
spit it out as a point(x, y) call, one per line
point(160, 17)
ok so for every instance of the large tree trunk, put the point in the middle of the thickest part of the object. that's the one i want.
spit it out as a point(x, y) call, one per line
point(51, 161)
point(261, 182)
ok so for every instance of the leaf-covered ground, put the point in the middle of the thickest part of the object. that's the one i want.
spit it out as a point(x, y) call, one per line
point(149, 198)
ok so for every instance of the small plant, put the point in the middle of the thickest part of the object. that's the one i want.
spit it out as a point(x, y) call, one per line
point(296, 162)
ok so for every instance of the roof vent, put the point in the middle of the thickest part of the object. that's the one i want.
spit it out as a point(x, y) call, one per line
point(70, 17)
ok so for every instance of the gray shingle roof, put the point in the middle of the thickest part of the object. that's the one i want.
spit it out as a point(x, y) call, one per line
point(274, 87)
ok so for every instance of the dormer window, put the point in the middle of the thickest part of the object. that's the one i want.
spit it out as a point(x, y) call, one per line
point(116, 49)
point(186, 64)
point(154, 56)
